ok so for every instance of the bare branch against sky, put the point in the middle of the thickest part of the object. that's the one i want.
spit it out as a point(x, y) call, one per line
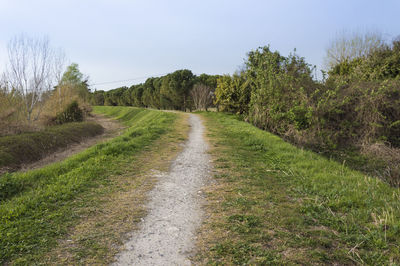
point(33, 70)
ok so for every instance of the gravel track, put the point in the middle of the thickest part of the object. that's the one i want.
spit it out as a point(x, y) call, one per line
point(167, 234)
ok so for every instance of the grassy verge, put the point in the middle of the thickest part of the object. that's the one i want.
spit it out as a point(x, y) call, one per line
point(58, 204)
point(28, 147)
point(354, 159)
point(276, 204)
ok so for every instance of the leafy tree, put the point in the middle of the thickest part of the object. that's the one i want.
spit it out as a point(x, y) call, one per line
point(136, 95)
point(75, 80)
point(233, 94)
point(281, 87)
point(97, 98)
point(176, 88)
point(148, 92)
point(208, 80)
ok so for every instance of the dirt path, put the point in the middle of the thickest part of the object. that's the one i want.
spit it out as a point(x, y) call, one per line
point(167, 233)
point(111, 129)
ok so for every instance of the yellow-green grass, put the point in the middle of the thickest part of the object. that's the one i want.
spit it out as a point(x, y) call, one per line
point(38, 208)
point(28, 147)
point(273, 203)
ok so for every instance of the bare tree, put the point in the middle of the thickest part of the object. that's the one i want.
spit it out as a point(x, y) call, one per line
point(202, 96)
point(34, 69)
point(350, 46)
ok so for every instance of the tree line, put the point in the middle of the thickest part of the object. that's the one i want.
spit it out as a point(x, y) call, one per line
point(180, 90)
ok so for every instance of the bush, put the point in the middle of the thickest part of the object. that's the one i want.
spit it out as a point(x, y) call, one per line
point(354, 115)
point(72, 113)
point(233, 94)
point(281, 90)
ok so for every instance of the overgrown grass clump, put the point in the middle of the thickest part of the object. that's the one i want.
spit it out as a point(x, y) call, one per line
point(38, 207)
point(275, 203)
point(28, 147)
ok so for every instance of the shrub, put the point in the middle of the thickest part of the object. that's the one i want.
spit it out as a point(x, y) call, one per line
point(233, 94)
point(281, 90)
point(72, 113)
point(359, 113)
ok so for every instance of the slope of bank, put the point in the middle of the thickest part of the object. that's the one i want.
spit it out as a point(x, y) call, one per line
point(275, 203)
point(19, 149)
point(41, 210)
point(112, 128)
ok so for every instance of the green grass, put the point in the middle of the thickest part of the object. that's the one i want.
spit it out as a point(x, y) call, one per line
point(28, 147)
point(276, 204)
point(38, 207)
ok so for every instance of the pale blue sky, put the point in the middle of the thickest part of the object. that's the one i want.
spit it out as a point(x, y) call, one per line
point(121, 39)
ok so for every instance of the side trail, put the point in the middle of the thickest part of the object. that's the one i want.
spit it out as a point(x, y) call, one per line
point(167, 234)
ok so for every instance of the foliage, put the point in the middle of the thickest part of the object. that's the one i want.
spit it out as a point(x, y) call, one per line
point(356, 106)
point(62, 103)
point(72, 113)
point(208, 80)
point(175, 90)
point(361, 100)
point(348, 47)
point(97, 98)
point(75, 80)
point(380, 64)
point(281, 91)
point(360, 112)
point(172, 91)
point(233, 93)
point(56, 106)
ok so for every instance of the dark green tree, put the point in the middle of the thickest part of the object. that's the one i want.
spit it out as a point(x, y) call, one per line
point(97, 98)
